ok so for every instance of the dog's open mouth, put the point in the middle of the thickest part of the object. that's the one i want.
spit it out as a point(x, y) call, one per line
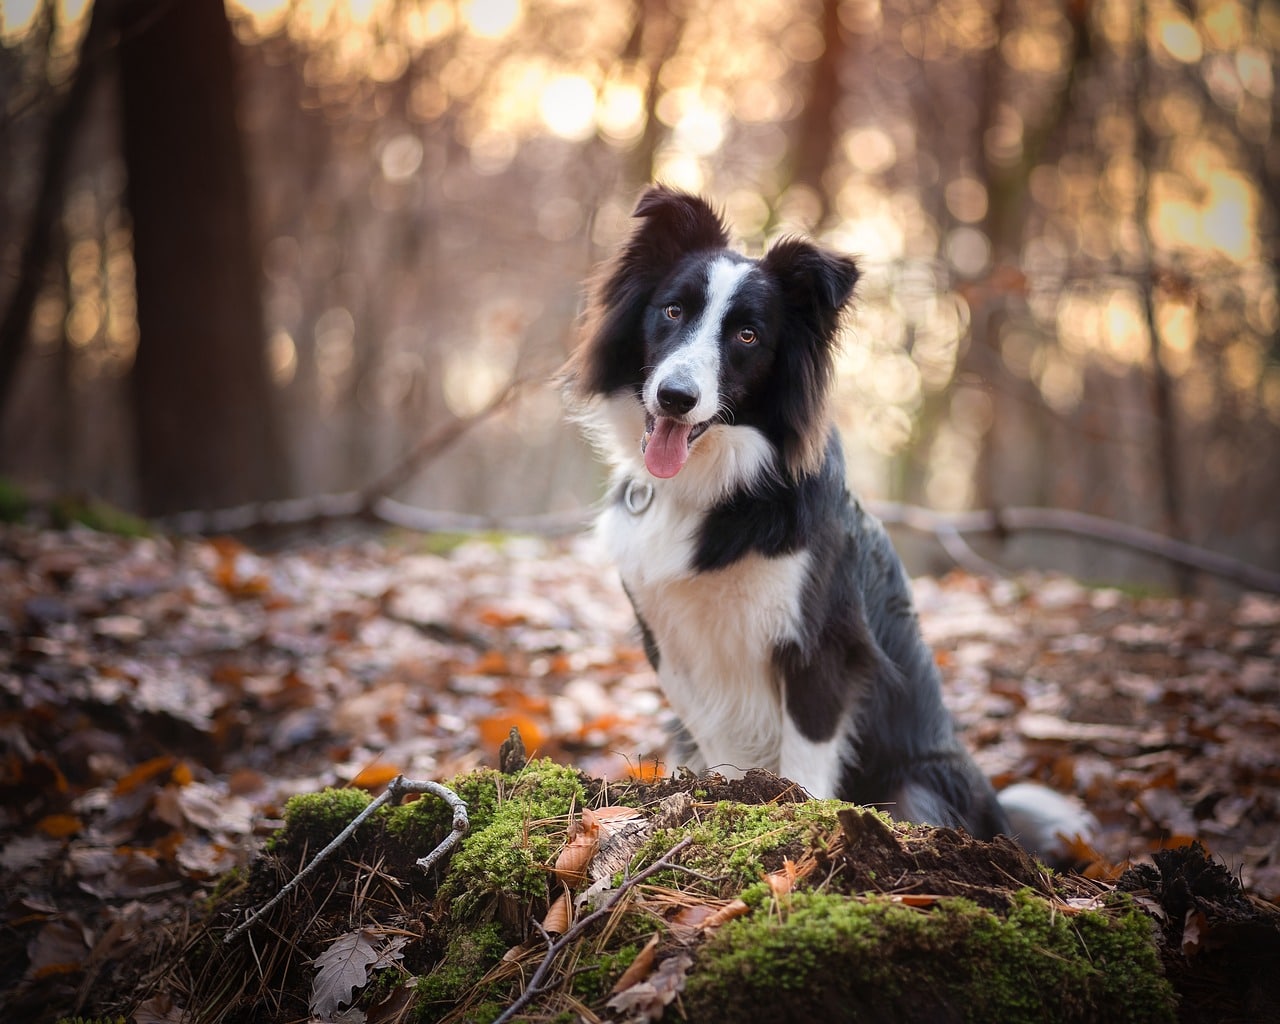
point(666, 442)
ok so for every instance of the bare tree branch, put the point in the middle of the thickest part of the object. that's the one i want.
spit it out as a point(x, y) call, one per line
point(370, 501)
point(1079, 524)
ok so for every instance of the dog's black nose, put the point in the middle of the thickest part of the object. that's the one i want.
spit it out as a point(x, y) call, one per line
point(677, 397)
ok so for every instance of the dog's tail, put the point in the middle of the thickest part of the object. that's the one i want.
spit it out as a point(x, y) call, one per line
point(1047, 824)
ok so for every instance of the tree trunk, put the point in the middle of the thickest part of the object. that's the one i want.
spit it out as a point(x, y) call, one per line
point(816, 129)
point(205, 429)
point(40, 245)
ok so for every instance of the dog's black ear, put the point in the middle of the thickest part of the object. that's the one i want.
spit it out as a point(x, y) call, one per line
point(816, 285)
point(673, 224)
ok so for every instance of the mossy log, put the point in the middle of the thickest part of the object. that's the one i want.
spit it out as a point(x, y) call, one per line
point(779, 909)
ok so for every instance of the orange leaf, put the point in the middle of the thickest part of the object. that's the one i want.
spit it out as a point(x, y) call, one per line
point(491, 663)
point(373, 776)
point(558, 915)
point(782, 881)
point(735, 908)
point(915, 899)
point(143, 773)
point(514, 699)
point(499, 619)
point(496, 728)
point(645, 771)
point(59, 825)
point(571, 865)
point(605, 724)
point(639, 968)
point(182, 775)
point(692, 917)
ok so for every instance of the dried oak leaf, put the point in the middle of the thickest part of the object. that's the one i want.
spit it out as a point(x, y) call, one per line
point(342, 968)
point(648, 1000)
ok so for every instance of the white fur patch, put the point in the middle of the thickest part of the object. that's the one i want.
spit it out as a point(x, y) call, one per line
point(698, 359)
point(1044, 821)
point(716, 632)
point(816, 766)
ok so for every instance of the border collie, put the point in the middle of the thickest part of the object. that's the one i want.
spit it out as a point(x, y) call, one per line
point(772, 606)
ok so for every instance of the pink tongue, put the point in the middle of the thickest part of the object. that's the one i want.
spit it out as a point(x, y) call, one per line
point(667, 448)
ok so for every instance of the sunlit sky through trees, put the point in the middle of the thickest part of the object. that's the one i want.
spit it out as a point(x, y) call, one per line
point(1069, 189)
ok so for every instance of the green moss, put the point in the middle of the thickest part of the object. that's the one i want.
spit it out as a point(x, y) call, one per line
point(97, 515)
point(467, 958)
point(91, 1020)
point(518, 823)
point(313, 819)
point(14, 503)
point(446, 542)
point(876, 960)
point(421, 824)
point(732, 841)
point(229, 885)
point(598, 972)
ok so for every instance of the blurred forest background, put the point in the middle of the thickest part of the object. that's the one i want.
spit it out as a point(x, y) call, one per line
point(262, 249)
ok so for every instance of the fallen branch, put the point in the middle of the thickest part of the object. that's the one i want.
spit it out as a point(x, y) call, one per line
point(397, 788)
point(536, 986)
point(1077, 524)
point(370, 501)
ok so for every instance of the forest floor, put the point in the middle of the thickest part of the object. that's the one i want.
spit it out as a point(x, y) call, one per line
point(161, 698)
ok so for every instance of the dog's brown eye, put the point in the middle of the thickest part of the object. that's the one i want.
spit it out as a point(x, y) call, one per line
point(673, 311)
point(747, 336)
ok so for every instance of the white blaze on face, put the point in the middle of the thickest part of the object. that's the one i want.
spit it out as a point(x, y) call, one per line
point(695, 366)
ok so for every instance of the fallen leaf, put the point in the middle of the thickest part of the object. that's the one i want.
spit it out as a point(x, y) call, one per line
point(732, 909)
point(914, 899)
point(342, 968)
point(639, 968)
point(1194, 931)
point(144, 773)
point(60, 826)
point(782, 881)
point(559, 914)
point(648, 1000)
point(496, 728)
point(376, 775)
point(158, 1010)
point(571, 864)
point(60, 947)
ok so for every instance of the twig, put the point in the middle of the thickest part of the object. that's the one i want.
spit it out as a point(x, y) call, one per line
point(372, 500)
point(436, 442)
point(397, 788)
point(960, 552)
point(324, 508)
point(1079, 524)
point(536, 987)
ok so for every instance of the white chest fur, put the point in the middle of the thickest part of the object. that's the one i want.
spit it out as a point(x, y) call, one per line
point(715, 630)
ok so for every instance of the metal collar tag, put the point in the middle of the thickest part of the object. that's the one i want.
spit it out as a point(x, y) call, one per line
point(638, 496)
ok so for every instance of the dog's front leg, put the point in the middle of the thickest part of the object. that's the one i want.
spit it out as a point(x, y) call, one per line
point(814, 764)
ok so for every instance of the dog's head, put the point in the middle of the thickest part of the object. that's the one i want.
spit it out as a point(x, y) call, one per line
point(702, 336)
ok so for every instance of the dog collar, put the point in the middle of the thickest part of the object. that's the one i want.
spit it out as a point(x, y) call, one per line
point(637, 496)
